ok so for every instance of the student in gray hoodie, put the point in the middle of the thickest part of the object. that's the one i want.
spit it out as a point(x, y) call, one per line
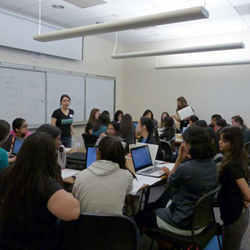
point(104, 185)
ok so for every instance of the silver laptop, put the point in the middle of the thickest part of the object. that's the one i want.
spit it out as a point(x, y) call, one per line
point(143, 163)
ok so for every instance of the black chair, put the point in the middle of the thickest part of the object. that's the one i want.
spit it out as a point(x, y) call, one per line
point(164, 152)
point(89, 140)
point(203, 217)
point(100, 232)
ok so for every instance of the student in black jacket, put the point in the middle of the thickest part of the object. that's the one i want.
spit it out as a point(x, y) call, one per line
point(146, 129)
point(168, 131)
point(237, 121)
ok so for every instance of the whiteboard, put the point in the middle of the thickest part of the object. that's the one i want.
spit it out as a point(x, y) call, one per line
point(100, 93)
point(22, 94)
point(59, 84)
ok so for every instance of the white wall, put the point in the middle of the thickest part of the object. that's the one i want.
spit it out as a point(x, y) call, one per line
point(209, 90)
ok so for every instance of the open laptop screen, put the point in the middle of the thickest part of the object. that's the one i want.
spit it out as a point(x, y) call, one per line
point(141, 157)
point(17, 145)
point(91, 156)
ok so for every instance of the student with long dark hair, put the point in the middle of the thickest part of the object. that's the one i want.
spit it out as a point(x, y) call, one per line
point(164, 115)
point(187, 182)
point(104, 185)
point(63, 119)
point(149, 114)
point(94, 117)
point(127, 129)
point(118, 116)
point(237, 121)
point(102, 124)
point(235, 190)
point(35, 200)
point(168, 130)
point(146, 129)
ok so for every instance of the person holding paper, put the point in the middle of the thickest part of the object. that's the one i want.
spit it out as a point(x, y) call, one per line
point(181, 105)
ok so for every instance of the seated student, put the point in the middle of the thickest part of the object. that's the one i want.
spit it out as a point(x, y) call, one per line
point(235, 190)
point(237, 121)
point(104, 185)
point(19, 131)
point(35, 200)
point(201, 123)
point(127, 129)
point(94, 117)
point(187, 182)
point(149, 114)
point(101, 125)
point(88, 137)
point(192, 120)
point(4, 133)
point(118, 116)
point(168, 131)
point(214, 118)
point(164, 115)
point(146, 129)
point(55, 133)
point(219, 125)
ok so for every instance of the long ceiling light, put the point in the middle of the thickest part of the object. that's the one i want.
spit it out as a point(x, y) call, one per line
point(197, 65)
point(187, 14)
point(194, 49)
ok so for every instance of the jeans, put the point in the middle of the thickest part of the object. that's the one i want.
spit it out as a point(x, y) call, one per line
point(67, 141)
point(233, 233)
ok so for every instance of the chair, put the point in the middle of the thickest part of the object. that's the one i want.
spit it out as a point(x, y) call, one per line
point(165, 152)
point(89, 140)
point(100, 232)
point(203, 217)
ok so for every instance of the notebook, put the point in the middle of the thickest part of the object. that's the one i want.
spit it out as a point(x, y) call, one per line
point(91, 156)
point(143, 163)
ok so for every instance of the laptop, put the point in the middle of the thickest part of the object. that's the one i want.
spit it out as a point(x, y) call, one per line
point(91, 156)
point(143, 163)
point(17, 145)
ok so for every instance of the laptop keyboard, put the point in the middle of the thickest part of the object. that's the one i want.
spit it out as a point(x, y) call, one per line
point(151, 170)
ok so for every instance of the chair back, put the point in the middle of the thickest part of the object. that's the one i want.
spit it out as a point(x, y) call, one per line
point(100, 232)
point(165, 152)
point(203, 211)
point(89, 140)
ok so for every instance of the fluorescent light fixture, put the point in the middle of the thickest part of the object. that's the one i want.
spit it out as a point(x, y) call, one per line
point(197, 65)
point(187, 14)
point(195, 49)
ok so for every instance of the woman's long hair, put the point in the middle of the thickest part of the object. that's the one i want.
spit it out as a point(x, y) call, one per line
point(26, 182)
point(237, 154)
point(92, 120)
point(183, 103)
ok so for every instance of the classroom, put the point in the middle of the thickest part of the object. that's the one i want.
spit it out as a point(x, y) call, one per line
point(131, 116)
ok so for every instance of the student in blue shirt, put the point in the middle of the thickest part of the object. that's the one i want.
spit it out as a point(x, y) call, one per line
point(102, 125)
point(4, 133)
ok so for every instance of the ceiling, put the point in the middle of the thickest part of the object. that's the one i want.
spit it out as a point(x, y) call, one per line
point(224, 17)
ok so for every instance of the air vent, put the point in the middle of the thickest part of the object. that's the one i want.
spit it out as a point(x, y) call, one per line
point(243, 9)
point(85, 3)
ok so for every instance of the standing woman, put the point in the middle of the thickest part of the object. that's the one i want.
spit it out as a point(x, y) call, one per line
point(63, 119)
point(181, 103)
point(235, 193)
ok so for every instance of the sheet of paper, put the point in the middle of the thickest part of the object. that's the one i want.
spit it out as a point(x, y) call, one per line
point(66, 173)
point(185, 112)
point(141, 181)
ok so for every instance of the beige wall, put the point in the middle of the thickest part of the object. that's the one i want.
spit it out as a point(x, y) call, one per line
point(209, 90)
